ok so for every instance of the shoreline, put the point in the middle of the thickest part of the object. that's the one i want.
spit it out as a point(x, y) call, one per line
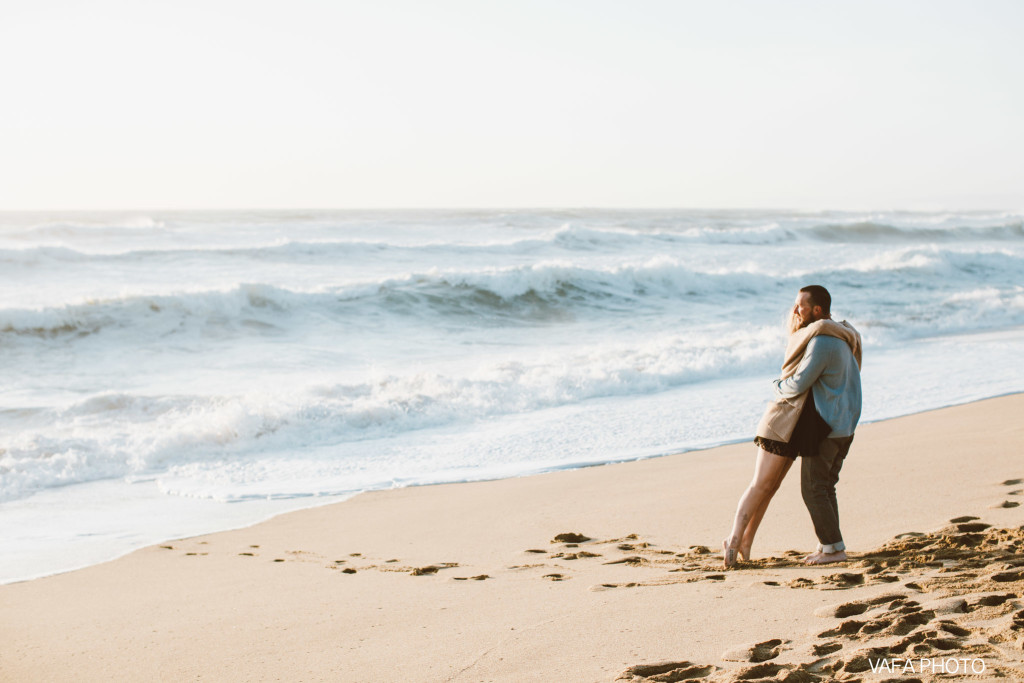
point(299, 503)
point(467, 581)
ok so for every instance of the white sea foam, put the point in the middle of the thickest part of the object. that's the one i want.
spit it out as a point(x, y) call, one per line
point(119, 434)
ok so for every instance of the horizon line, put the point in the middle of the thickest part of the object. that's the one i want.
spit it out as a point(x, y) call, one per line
point(933, 209)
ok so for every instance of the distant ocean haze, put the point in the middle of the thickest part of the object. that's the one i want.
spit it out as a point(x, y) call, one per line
point(205, 358)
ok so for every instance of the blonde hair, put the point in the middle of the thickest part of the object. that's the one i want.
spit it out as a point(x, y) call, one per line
point(793, 323)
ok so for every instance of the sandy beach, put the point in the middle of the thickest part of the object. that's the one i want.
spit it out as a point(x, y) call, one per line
point(405, 342)
point(477, 582)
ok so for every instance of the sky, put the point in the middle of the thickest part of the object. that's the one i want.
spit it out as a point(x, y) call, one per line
point(218, 104)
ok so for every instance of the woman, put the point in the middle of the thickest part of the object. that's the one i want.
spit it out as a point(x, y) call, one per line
point(790, 427)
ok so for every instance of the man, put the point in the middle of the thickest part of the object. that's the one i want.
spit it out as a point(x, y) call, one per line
point(830, 372)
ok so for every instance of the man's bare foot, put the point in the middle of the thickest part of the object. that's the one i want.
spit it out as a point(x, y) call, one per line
point(825, 558)
point(728, 555)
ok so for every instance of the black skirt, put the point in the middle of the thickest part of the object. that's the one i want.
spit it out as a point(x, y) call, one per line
point(807, 436)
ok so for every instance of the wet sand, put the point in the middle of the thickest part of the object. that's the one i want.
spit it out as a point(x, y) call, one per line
point(596, 574)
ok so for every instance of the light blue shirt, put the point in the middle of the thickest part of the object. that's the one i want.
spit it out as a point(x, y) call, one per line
point(829, 370)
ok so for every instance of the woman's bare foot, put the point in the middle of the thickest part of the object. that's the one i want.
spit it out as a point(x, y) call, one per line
point(743, 553)
point(728, 555)
point(825, 558)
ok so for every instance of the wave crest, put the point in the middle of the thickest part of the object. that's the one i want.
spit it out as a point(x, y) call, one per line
point(547, 291)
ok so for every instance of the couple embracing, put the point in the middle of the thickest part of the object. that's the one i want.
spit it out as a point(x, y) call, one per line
point(813, 417)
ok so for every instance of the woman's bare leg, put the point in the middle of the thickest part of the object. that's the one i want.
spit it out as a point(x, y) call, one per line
point(747, 541)
point(769, 471)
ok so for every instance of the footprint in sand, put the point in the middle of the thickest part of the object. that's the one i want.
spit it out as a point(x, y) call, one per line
point(844, 580)
point(991, 601)
point(852, 609)
point(574, 556)
point(570, 537)
point(1013, 482)
point(609, 586)
point(632, 561)
point(822, 649)
point(432, 569)
point(424, 571)
point(756, 652)
point(765, 671)
point(666, 671)
point(954, 629)
point(850, 627)
point(909, 534)
point(909, 622)
point(942, 643)
point(627, 547)
point(1004, 504)
point(884, 578)
point(556, 577)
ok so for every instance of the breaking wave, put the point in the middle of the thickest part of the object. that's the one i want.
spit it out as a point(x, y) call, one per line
point(546, 291)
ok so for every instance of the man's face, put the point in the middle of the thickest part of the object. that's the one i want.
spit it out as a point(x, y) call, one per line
point(804, 311)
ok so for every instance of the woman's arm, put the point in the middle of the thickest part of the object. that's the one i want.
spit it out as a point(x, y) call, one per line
point(811, 366)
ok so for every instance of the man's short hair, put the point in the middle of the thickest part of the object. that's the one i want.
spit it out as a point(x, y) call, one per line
point(819, 297)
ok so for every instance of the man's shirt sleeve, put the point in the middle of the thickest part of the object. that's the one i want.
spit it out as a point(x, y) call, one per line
point(807, 372)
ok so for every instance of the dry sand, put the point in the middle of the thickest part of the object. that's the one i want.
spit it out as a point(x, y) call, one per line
point(468, 582)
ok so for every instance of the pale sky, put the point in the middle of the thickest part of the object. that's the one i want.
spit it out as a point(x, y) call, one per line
point(205, 104)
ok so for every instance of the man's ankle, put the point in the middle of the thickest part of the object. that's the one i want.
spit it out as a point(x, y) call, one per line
point(831, 548)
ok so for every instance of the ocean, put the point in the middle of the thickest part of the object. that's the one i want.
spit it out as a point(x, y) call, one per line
point(174, 373)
